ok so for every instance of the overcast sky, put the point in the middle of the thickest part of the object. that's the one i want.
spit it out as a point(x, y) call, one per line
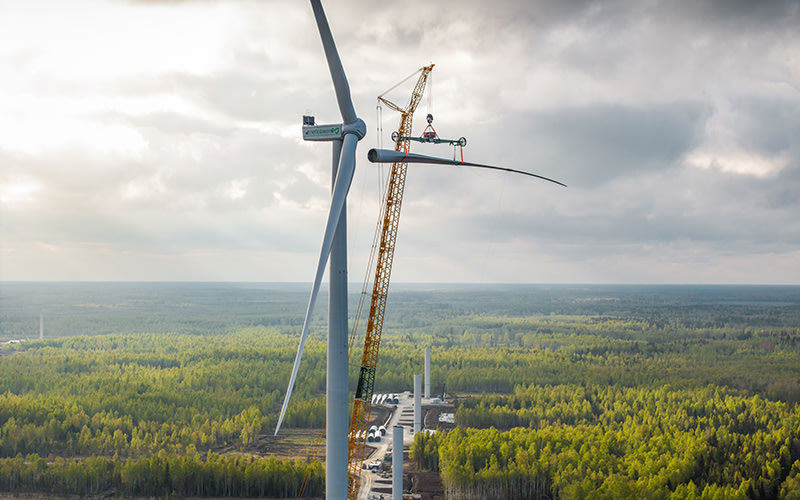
point(162, 140)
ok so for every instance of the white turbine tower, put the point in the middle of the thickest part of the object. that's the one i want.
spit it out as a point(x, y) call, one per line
point(344, 137)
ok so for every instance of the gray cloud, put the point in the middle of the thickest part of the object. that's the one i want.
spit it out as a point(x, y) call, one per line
point(596, 144)
point(674, 125)
point(768, 126)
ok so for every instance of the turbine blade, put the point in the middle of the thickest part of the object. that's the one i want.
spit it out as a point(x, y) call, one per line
point(341, 186)
point(340, 84)
point(389, 156)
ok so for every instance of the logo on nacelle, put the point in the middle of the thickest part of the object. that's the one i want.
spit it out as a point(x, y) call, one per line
point(322, 132)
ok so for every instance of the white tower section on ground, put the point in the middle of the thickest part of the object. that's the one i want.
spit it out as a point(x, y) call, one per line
point(397, 462)
point(427, 372)
point(417, 403)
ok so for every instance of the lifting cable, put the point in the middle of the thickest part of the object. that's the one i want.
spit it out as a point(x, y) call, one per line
point(384, 181)
point(370, 264)
point(429, 86)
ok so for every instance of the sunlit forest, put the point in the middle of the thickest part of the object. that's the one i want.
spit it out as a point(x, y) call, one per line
point(561, 392)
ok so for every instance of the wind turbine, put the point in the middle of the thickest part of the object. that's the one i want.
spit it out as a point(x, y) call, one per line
point(344, 137)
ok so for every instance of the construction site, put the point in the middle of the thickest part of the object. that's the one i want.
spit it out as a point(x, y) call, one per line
point(390, 411)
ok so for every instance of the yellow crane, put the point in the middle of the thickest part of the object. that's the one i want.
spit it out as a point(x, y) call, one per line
point(362, 404)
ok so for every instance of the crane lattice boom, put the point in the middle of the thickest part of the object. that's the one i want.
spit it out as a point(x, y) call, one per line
point(362, 404)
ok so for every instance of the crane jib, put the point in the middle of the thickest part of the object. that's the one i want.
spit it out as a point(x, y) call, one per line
point(387, 228)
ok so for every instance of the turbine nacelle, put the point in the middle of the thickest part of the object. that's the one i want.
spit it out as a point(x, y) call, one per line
point(332, 132)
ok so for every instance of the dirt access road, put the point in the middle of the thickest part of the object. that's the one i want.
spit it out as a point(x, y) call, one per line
point(372, 485)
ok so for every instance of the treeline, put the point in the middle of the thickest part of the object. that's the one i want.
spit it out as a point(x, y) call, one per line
point(572, 442)
point(505, 352)
point(443, 310)
point(94, 308)
point(163, 474)
point(149, 410)
point(34, 424)
point(136, 394)
point(652, 396)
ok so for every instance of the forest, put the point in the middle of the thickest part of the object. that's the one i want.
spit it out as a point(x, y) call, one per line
point(561, 392)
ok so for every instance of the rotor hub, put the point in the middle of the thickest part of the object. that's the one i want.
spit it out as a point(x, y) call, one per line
point(357, 128)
